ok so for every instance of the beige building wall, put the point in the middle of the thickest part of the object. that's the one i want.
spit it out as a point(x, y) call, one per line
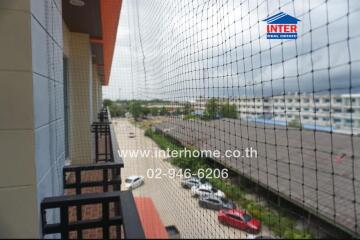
point(95, 95)
point(31, 129)
point(80, 86)
point(100, 98)
point(84, 95)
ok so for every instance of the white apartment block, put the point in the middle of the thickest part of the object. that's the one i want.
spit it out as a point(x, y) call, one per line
point(340, 111)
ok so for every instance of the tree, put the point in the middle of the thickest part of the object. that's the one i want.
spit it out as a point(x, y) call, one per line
point(145, 111)
point(295, 123)
point(154, 111)
point(107, 102)
point(135, 109)
point(187, 109)
point(117, 110)
point(212, 108)
point(229, 111)
point(163, 111)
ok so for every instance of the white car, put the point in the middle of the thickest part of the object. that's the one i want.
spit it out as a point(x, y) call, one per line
point(206, 190)
point(133, 182)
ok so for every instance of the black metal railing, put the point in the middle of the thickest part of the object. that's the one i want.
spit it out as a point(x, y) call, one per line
point(121, 204)
point(126, 217)
point(110, 176)
point(106, 145)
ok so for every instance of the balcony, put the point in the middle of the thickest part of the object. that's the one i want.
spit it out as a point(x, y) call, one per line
point(93, 205)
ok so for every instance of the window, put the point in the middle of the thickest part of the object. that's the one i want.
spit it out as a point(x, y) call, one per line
point(246, 217)
point(235, 217)
point(326, 100)
point(306, 117)
point(317, 100)
point(213, 200)
point(337, 120)
point(306, 109)
point(337, 110)
point(338, 100)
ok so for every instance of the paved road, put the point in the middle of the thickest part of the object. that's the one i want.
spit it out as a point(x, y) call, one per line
point(303, 165)
point(174, 204)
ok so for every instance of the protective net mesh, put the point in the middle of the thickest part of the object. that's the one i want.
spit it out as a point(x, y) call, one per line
point(211, 80)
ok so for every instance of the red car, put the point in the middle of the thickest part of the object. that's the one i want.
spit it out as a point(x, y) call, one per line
point(239, 219)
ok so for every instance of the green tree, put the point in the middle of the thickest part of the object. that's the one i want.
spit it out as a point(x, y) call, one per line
point(107, 102)
point(212, 108)
point(154, 111)
point(295, 123)
point(146, 111)
point(229, 111)
point(135, 109)
point(164, 111)
point(188, 109)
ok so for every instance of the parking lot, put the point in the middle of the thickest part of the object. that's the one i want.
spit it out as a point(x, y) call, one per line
point(174, 204)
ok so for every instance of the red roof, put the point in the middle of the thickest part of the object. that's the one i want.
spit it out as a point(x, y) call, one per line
point(150, 219)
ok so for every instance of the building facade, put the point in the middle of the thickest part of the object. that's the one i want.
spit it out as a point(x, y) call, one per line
point(338, 111)
point(51, 73)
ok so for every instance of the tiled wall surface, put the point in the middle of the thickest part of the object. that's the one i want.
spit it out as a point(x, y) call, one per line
point(47, 70)
point(31, 102)
point(34, 39)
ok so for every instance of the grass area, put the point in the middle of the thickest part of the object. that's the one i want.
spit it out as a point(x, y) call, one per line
point(280, 224)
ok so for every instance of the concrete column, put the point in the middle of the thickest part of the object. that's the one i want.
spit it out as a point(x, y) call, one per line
point(100, 95)
point(31, 123)
point(95, 90)
point(80, 98)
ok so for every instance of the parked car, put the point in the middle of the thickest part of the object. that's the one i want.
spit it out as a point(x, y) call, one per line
point(216, 203)
point(133, 182)
point(239, 219)
point(173, 232)
point(206, 190)
point(188, 183)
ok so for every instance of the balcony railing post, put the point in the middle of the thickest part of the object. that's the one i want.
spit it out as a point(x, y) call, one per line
point(105, 219)
point(96, 144)
point(78, 208)
point(64, 219)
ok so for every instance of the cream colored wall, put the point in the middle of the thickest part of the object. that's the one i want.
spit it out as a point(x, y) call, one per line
point(80, 68)
point(84, 94)
point(95, 94)
point(30, 87)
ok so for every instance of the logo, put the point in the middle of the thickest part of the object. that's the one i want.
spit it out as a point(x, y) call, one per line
point(281, 26)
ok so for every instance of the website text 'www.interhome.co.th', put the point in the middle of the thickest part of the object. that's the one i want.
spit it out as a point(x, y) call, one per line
point(168, 153)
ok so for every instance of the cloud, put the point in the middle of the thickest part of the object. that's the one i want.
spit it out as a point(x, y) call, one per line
point(182, 49)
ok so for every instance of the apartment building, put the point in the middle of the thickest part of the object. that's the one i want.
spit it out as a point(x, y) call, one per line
point(56, 55)
point(338, 111)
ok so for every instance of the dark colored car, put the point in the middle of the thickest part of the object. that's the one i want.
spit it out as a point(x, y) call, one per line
point(216, 203)
point(239, 219)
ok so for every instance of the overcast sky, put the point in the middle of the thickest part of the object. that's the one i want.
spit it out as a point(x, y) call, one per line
point(180, 49)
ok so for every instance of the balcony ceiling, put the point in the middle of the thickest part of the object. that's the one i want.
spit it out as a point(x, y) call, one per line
point(85, 19)
point(99, 19)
